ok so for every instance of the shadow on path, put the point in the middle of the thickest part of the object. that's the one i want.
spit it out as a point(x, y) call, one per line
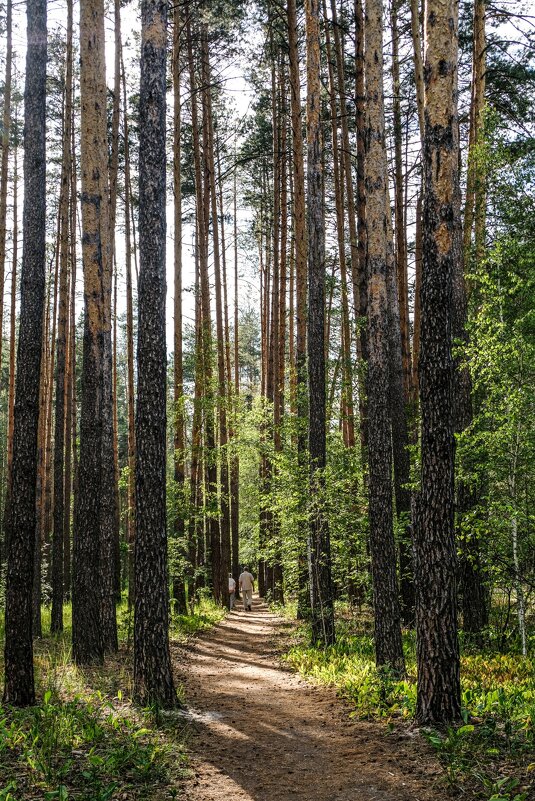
point(260, 733)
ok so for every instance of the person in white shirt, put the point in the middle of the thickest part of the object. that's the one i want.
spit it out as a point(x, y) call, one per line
point(246, 582)
point(231, 590)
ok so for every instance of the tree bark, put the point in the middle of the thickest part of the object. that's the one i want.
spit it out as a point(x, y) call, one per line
point(474, 209)
point(56, 622)
point(19, 679)
point(319, 541)
point(4, 165)
point(202, 209)
point(114, 174)
point(235, 459)
point(90, 586)
point(400, 226)
point(300, 235)
point(400, 434)
point(130, 398)
point(12, 345)
point(338, 167)
point(362, 310)
point(224, 494)
point(438, 697)
point(471, 575)
point(388, 644)
point(153, 678)
point(179, 584)
point(70, 413)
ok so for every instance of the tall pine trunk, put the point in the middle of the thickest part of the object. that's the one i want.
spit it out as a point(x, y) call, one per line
point(300, 236)
point(12, 342)
point(438, 697)
point(235, 459)
point(89, 576)
point(224, 494)
point(19, 679)
point(471, 573)
point(388, 644)
point(153, 678)
point(319, 542)
point(56, 623)
point(179, 579)
point(130, 399)
point(4, 164)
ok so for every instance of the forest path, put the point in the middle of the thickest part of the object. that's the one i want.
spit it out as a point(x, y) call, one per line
point(260, 733)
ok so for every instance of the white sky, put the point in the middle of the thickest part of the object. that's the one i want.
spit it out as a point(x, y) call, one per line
point(239, 95)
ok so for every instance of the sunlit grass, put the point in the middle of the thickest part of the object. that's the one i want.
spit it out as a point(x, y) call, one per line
point(498, 701)
point(85, 739)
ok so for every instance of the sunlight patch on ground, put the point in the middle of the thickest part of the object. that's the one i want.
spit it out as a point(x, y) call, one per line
point(213, 721)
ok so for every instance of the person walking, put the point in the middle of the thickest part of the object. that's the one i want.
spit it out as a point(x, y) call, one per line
point(231, 591)
point(246, 583)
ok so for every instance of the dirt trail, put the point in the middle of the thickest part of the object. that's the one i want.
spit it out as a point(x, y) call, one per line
point(260, 733)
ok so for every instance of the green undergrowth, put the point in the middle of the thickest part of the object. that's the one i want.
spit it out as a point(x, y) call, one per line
point(206, 615)
point(85, 740)
point(490, 756)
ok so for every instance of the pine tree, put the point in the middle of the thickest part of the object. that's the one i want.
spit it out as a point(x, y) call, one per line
point(388, 645)
point(319, 542)
point(19, 679)
point(61, 343)
point(153, 679)
point(438, 698)
point(89, 583)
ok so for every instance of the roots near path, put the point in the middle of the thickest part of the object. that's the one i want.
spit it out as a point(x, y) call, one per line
point(260, 733)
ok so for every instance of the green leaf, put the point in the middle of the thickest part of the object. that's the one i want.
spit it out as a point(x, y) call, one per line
point(466, 729)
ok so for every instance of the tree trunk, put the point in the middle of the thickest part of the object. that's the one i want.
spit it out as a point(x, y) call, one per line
point(179, 579)
point(153, 678)
point(319, 542)
point(90, 584)
point(338, 166)
point(300, 235)
point(195, 534)
point(272, 391)
point(362, 310)
point(475, 180)
point(130, 399)
point(114, 174)
point(19, 680)
point(70, 413)
point(4, 165)
point(56, 622)
point(278, 595)
point(48, 475)
point(471, 575)
point(41, 465)
point(235, 461)
point(224, 521)
point(438, 698)
point(418, 65)
point(400, 434)
point(12, 345)
point(388, 645)
point(418, 258)
point(202, 208)
point(400, 226)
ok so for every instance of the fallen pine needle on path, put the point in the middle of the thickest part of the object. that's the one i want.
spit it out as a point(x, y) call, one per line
point(259, 732)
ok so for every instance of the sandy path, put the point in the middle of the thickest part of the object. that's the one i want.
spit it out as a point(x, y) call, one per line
point(260, 733)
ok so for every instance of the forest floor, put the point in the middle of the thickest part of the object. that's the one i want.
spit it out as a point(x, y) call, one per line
point(261, 733)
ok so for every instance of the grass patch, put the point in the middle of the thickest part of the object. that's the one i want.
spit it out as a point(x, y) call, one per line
point(206, 615)
point(86, 740)
point(491, 756)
